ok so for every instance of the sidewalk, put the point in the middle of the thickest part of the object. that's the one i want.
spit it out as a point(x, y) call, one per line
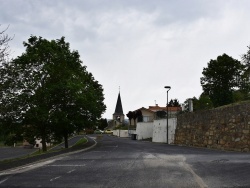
point(16, 163)
point(17, 152)
point(72, 141)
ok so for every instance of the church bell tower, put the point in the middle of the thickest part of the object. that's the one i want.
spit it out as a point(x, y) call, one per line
point(118, 116)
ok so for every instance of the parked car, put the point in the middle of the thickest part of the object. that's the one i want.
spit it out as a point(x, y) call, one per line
point(108, 131)
point(98, 131)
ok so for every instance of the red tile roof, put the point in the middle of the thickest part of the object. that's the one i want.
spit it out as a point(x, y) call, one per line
point(158, 108)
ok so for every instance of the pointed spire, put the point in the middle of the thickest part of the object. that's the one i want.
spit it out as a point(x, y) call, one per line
point(118, 108)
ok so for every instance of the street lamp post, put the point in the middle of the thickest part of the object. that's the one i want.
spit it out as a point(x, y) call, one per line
point(168, 88)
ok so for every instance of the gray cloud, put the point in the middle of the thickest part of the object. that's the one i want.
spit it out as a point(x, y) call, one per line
point(136, 44)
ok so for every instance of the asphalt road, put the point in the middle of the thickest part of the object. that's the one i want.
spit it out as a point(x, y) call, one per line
point(121, 162)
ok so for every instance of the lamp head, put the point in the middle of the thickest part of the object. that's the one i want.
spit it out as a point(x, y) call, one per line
point(167, 87)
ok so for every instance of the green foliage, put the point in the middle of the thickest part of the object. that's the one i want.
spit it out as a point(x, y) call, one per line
point(174, 103)
point(203, 103)
point(245, 82)
point(102, 123)
point(161, 114)
point(130, 116)
point(220, 78)
point(246, 58)
point(10, 140)
point(48, 89)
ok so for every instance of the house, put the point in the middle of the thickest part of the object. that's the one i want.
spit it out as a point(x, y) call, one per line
point(142, 115)
point(150, 114)
point(154, 122)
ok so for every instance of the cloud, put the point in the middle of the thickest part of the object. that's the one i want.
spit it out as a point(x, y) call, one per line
point(138, 45)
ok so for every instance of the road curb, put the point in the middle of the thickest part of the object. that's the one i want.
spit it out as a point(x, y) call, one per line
point(32, 164)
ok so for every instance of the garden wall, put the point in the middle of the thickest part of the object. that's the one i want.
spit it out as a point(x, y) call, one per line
point(225, 128)
point(160, 130)
point(144, 130)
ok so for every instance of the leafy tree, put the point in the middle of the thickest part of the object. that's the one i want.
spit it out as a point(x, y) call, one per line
point(139, 116)
point(4, 44)
point(130, 116)
point(245, 90)
point(246, 58)
point(203, 103)
point(102, 123)
point(49, 90)
point(4, 53)
point(170, 103)
point(220, 78)
point(161, 114)
point(174, 103)
point(186, 104)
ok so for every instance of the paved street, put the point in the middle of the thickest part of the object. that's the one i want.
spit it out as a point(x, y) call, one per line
point(121, 162)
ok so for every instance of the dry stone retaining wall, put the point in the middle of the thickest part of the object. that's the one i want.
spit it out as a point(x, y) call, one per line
point(225, 128)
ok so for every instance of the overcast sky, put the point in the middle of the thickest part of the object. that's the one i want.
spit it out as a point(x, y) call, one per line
point(139, 45)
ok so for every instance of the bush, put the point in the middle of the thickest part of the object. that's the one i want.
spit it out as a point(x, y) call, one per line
point(10, 140)
point(89, 131)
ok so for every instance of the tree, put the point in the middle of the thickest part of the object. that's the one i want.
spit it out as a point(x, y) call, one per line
point(161, 114)
point(50, 90)
point(130, 116)
point(4, 53)
point(220, 78)
point(102, 123)
point(203, 103)
point(4, 44)
point(246, 58)
point(245, 90)
point(174, 103)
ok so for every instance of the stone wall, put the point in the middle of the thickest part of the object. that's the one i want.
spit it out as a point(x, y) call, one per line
point(225, 128)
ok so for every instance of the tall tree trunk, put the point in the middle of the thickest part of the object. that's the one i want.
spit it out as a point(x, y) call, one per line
point(66, 143)
point(43, 134)
point(44, 146)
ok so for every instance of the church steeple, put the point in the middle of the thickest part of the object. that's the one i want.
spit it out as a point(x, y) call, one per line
point(118, 108)
point(118, 115)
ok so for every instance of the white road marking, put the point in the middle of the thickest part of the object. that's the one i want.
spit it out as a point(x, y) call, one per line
point(67, 165)
point(55, 178)
point(43, 163)
point(71, 171)
point(197, 178)
point(3, 180)
point(28, 167)
point(111, 146)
